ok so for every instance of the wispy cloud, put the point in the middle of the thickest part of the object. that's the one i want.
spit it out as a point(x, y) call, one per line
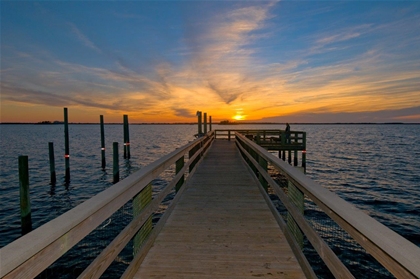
point(221, 57)
point(245, 58)
point(82, 37)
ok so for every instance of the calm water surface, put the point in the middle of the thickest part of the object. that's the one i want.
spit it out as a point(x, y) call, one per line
point(375, 167)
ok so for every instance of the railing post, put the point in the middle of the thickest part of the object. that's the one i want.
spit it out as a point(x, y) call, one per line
point(178, 167)
point(140, 201)
point(229, 135)
point(264, 165)
point(25, 202)
point(116, 166)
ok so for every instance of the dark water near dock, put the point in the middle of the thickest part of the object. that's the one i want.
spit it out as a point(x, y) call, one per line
point(375, 167)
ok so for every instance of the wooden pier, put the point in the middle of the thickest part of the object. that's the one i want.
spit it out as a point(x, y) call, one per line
point(221, 223)
point(221, 227)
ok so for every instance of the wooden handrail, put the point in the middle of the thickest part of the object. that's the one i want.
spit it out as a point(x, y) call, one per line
point(32, 253)
point(394, 252)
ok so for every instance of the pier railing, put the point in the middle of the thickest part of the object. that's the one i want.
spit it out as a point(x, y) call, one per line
point(298, 195)
point(36, 251)
point(288, 144)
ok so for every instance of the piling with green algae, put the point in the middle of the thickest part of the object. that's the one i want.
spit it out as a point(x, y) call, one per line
point(25, 202)
point(140, 201)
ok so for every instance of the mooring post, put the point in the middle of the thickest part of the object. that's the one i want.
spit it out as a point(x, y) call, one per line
point(210, 123)
point(200, 131)
point(25, 203)
point(66, 146)
point(116, 167)
point(125, 136)
point(205, 123)
point(53, 178)
point(140, 201)
point(304, 152)
point(127, 143)
point(101, 117)
point(295, 155)
point(178, 167)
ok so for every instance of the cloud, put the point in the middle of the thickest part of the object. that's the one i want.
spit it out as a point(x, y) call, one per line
point(82, 37)
point(34, 97)
point(182, 112)
point(221, 56)
point(408, 115)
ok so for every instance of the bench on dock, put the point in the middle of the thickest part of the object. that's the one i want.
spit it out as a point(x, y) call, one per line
point(237, 211)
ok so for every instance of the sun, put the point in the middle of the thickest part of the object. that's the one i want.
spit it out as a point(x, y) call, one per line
point(239, 117)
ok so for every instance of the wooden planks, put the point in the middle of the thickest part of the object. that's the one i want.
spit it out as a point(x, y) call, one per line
point(221, 228)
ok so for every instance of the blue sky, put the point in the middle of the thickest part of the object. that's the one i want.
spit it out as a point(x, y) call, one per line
point(161, 61)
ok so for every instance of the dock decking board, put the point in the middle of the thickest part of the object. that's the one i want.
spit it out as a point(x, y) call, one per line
point(221, 227)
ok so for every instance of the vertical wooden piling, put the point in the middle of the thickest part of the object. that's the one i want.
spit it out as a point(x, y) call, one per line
point(116, 166)
point(295, 155)
point(125, 136)
point(66, 146)
point(25, 203)
point(304, 153)
point(178, 167)
point(200, 131)
point(127, 154)
point(53, 177)
point(101, 117)
point(128, 137)
point(205, 123)
point(210, 123)
point(140, 201)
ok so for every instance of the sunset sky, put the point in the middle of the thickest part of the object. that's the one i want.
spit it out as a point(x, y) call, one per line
point(161, 61)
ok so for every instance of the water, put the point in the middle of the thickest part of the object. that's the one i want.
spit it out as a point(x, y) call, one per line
point(375, 167)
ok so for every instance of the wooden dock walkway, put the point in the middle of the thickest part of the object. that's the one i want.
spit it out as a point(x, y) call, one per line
point(221, 227)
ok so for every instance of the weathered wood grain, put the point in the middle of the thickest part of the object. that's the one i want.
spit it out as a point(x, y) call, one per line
point(221, 227)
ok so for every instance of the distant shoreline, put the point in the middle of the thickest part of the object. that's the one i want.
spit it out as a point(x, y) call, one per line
point(233, 124)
